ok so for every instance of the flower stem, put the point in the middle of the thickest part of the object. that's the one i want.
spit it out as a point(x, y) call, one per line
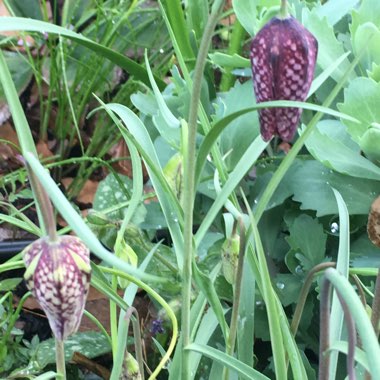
point(189, 183)
point(60, 359)
point(284, 9)
point(44, 206)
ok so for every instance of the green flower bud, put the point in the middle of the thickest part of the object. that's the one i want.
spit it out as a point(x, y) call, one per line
point(97, 218)
point(173, 172)
point(126, 253)
point(58, 274)
point(230, 257)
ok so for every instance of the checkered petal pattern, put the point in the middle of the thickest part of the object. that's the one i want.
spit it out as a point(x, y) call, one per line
point(283, 55)
point(58, 274)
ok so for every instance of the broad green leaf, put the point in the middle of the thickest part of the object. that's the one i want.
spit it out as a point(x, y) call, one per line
point(334, 154)
point(329, 49)
point(28, 9)
point(362, 99)
point(244, 371)
point(369, 11)
point(242, 131)
point(226, 60)
point(335, 10)
point(112, 192)
point(311, 183)
point(367, 39)
point(245, 11)
point(91, 344)
point(307, 241)
point(21, 72)
point(364, 253)
point(9, 283)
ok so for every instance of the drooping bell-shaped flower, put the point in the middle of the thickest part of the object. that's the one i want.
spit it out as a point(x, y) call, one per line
point(283, 55)
point(58, 274)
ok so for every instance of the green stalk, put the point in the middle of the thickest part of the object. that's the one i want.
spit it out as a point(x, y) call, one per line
point(189, 184)
point(304, 293)
point(60, 359)
point(284, 9)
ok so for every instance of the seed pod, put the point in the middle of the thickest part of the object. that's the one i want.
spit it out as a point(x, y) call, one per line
point(283, 55)
point(230, 257)
point(58, 274)
point(131, 370)
point(373, 226)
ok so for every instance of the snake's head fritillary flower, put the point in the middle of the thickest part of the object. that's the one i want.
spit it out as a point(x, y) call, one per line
point(58, 274)
point(283, 55)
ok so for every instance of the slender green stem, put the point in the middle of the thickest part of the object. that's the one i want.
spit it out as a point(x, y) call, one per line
point(113, 318)
point(189, 183)
point(60, 359)
point(351, 332)
point(305, 291)
point(44, 204)
point(324, 324)
point(237, 297)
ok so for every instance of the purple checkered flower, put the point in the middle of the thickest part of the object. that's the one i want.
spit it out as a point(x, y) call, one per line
point(58, 274)
point(283, 55)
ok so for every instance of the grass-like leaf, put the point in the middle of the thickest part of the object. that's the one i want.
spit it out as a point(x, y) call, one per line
point(25, 24)
point(242, 369)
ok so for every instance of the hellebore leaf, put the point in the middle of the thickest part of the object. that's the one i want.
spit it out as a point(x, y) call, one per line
point(362, 99)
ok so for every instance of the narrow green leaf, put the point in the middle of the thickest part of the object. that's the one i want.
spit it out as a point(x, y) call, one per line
point(342, 265)
point(245, 163)
point(133, 68)
point(244, 371)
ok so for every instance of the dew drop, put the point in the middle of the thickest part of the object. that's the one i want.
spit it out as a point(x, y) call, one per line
point(299, 269)
point(334, 228)
point(280, 285)
point(162, 51)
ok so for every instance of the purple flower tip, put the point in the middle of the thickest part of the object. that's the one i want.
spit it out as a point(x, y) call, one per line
point(157, 327)
point(283, 55)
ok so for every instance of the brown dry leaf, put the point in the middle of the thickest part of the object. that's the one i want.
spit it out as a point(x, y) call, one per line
point(120, 150)
point(284, 147)
point(87, 194)
point(229, 20)
point(43, 150)
point(8, 152)
point(124, 166)
point(373, 226)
